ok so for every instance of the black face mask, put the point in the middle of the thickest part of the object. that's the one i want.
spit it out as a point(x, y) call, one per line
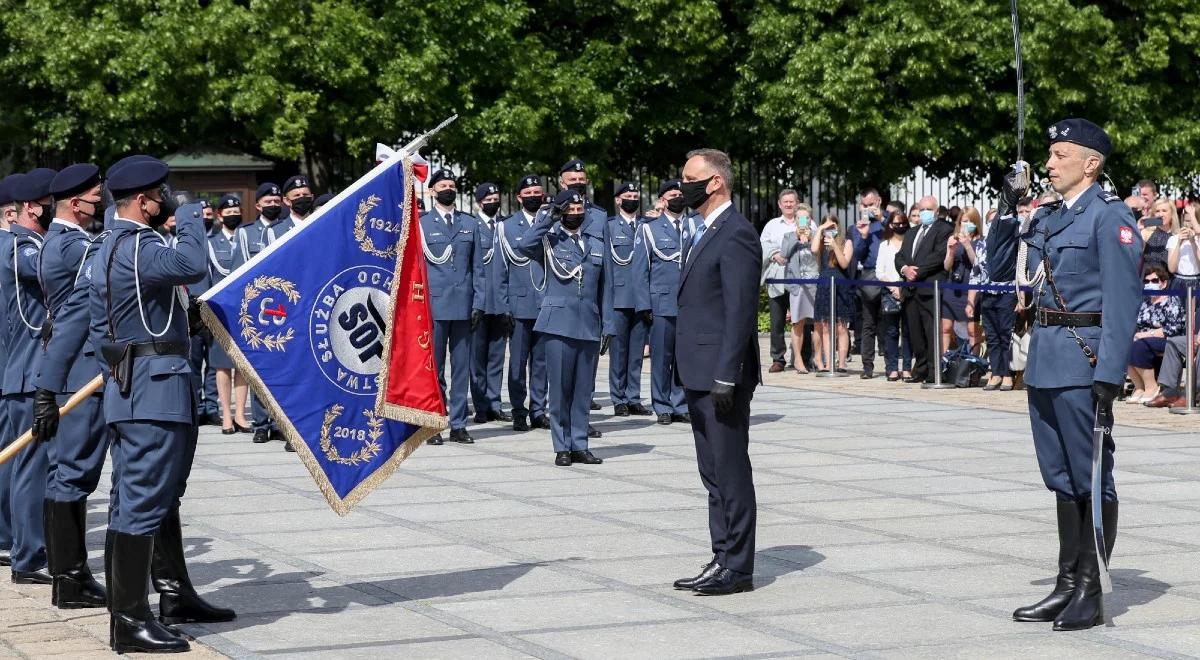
point(166, 209)
point(46, 217)
point(675, 205)
point(630, 205)
point(693, 192)
point(900, 229)
point(302, 206)
point(490, 209)
point(572, 221)
point(531, 204)
point(271, 213)
point(580, 188)
point(97, 209)
point(231, 221)
point(446, 197)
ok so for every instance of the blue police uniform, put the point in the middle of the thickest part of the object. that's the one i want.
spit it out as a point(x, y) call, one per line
point(454, 285)
point(657, 265)
point(573, 315)
point(629, 327)
point(6, 435)
point(1086, 307)
point(490, 335)
point(525, 286)
point(223, 252)
point(26, 313)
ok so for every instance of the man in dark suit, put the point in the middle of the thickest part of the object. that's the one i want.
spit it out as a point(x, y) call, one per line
point(716, 335)
point(920, 259)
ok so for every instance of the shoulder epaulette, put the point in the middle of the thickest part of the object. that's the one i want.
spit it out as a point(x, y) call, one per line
point(1109, 197)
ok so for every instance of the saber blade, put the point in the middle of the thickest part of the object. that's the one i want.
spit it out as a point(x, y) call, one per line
point(1016, 29)
point(1098, 433)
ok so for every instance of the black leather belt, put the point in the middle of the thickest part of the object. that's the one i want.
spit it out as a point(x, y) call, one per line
point(1050, 317)
point(160, 348)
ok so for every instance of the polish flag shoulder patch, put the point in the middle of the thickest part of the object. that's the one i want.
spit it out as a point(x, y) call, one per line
point(1126, 236)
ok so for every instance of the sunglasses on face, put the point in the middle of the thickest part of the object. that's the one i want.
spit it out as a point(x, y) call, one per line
point(1151, 280)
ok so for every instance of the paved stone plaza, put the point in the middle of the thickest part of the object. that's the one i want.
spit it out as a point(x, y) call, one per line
point(893, 522)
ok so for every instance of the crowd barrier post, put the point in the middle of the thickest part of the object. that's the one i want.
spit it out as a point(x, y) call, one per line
point(1189, 368)
point(833, 335)
point(938, 349)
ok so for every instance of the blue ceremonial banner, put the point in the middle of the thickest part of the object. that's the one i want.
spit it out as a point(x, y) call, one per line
point(307, 322)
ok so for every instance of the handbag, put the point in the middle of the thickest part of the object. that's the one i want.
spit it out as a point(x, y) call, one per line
point(888, 303)
point(1019, 352)
point(963, 368)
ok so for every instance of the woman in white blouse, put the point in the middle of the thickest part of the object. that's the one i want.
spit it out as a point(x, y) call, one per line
point(893, 325)
point(1183, 249)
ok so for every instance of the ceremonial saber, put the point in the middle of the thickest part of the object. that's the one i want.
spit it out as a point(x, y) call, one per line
point(412, 147)
point(76, 398)
point(1016, 29)
point(1098, 433)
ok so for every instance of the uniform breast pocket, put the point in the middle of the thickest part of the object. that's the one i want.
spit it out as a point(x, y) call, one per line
point(666, 244)
point(596, 260)
point(464, 236)
point(163, 368)
point(1074, 253)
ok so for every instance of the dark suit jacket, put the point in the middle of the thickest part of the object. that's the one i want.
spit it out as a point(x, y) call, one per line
point(716, 333)
point(930, 256)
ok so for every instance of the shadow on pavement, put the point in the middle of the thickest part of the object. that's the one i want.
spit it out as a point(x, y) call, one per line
point(627, 449)
point(786, 559)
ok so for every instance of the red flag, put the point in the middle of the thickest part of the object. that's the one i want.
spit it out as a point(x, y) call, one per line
point(409, 389)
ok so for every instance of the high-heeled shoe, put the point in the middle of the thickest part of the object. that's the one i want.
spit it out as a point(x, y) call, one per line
point(228, 431)
point(242, 429)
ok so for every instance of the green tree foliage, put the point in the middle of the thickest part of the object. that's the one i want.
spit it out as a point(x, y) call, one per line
point(865, 89)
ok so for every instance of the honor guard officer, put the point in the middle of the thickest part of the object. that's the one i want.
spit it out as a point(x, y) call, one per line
point(298, 198)
point(26, 313)
point(1084, 255)
point(222, 255)
point(524, 285)
point(630, 326)
point(657, 265)
point(574, 317)
point(82, 442)
point(491, 321)
point(453, 289)
point(251, 240)
point(138, 304)
point(8, 216)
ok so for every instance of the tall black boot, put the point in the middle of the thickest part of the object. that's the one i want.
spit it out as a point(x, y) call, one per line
point(48, 537)
point(1069, 520)
point(1086, 608)
point(178, 601)
point(132, 626)
point(74, 587)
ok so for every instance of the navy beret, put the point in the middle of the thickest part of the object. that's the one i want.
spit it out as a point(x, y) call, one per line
point(575, 165)
point(628, 186)
point(6, 186)
point(136, 175)
point(528, 181)
point(323, 199)
point(294, 182)
point(441, 175)
point(136, 158)
point(34, 185)
point(229, 201)
point(484, 189)
point(669, 185)
point(1081, 132)
point(568, 196)
point(204, 204)
point(266, 190)
point(74, 179)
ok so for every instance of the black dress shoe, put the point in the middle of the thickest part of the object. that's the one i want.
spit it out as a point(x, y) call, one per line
point(681, 417)
point(40, 576)
point(664, 419)
point(586, 457)
point(638, 409)
point(520, 424)
point(706, 571)
point(593, 432)
point(595, 406)
point(480, 417)
point(912, 380)
point(562, 459)
point(435, 440)
point(540, 422)
point(498, 416)
point(725, 581)
point(5, 558)
point(621, 410)
point(261, 436)
point(461, 435)
point(867, 375)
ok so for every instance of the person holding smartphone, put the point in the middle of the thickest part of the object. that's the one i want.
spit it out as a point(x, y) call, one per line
point(1183, 249)
point(834, 254)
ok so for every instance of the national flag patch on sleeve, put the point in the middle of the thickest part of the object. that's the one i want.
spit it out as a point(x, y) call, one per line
point(1126, 236)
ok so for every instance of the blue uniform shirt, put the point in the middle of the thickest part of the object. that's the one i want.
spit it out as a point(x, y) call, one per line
point(524, 277)
point(454, 285)
point(23, 306)
point(255, 237)
point(619, 236)
point(575, 304)
point(1095, 251)
point(223, 256)
point(657, 264)
point(492, 295)
point(64, 255)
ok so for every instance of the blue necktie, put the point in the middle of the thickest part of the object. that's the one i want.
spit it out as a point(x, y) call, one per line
point(699, 232)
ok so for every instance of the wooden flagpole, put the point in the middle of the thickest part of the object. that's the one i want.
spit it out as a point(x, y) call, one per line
point(76, 398)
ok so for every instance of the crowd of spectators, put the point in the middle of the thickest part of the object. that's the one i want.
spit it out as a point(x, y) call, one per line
point(929, 242)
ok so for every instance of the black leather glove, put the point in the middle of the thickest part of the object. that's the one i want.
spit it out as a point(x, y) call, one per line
point(1104, 394)
point(647, 316)
point(509, 324)
point(476, 317)
point(45, 415)
point(195, 324)
point(1016, 186)
point(557, 211)
point(604, 343)
point(722, 397)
